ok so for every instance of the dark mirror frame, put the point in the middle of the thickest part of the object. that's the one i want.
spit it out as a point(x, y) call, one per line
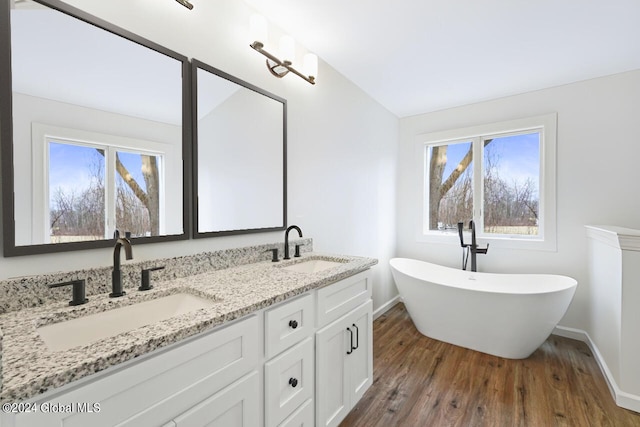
point(195, 65)
point(6, 135)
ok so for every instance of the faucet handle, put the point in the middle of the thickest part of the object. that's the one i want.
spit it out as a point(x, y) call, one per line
point(484, 250)
point(145, 283)
point(297, 253)
point(78, 292)
point(274, 254)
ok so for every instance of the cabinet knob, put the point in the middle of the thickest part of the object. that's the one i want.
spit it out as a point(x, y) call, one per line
point(293, 324)
point(293, 382)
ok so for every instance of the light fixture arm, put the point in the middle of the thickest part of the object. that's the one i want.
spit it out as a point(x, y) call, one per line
point(185, 3)
point(275, 63)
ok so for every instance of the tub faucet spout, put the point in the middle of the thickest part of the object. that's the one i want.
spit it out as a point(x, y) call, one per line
point(472, 248)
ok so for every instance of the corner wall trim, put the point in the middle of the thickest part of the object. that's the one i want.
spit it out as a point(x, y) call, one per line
point(386, 307)
point(622, 398)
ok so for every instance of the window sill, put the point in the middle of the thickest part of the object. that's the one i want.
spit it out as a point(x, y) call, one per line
point(452, 238)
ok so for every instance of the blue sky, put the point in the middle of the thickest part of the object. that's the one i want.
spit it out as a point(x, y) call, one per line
point(70, 166)
point(518, 157)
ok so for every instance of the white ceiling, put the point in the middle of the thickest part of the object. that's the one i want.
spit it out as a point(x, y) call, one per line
point(417, 56)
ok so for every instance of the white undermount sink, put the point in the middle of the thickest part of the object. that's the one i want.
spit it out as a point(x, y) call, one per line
point(312, 266)
point(94, 327)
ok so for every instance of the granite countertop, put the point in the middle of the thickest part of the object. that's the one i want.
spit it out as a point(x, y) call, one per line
point(30, 368)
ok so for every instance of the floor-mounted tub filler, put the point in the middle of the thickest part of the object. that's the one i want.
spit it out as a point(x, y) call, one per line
point(506, 315)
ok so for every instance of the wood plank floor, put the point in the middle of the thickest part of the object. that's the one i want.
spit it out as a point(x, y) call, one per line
point(419, 381)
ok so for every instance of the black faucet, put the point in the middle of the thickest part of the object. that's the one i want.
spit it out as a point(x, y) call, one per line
point(470, 248)
point(286, 240)
point(116, 275)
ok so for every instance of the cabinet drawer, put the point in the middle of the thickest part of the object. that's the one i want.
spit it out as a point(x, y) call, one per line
point(288, 382)
point(288, 324)
point(156, 388)
point(234, 354)
point(302, 417)
point(235, 406)
point(336, 300)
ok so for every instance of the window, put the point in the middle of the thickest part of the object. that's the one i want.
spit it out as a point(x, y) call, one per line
point(500, 175)
point(93, 184)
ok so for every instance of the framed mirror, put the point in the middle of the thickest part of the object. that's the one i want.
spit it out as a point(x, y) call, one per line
point(240, 153)
point(95, 132)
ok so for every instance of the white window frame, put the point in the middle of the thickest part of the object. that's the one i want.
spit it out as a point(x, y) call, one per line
point(546, 125)
point(42, 134)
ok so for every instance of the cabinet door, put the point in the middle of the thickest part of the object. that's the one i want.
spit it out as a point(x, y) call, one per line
point(234, 406)
point(344, 364)
point(360, 361)
point(332, 394)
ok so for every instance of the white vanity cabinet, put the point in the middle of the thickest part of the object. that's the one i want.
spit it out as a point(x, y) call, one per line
point(344, 349)
point(165, 387)
point(331, 322)
point(303, 362)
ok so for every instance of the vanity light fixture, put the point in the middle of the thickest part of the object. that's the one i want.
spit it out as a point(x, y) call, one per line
point(281, 67)
point(185, 3)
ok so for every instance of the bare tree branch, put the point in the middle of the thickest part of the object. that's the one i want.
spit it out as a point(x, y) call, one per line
point(130, 180)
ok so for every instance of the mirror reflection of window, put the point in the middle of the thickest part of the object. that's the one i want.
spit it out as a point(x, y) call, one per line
point(92, 90)
point(76, 192)
point(106, 188)
point(87, 185)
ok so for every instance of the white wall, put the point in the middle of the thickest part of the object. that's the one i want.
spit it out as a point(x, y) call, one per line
point(341, 144)
point(597, 174)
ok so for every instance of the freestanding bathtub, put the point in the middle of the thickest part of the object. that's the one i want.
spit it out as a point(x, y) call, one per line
point(506, 315)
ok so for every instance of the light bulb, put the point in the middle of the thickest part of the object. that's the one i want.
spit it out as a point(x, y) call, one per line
point(310, 65)
point(258, 29)
point(287, 49)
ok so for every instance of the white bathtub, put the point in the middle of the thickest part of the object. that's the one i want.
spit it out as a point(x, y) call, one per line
point(507, 315)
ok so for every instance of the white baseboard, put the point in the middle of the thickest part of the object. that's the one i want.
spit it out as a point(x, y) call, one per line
point(622, 398)
point(385, 307)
